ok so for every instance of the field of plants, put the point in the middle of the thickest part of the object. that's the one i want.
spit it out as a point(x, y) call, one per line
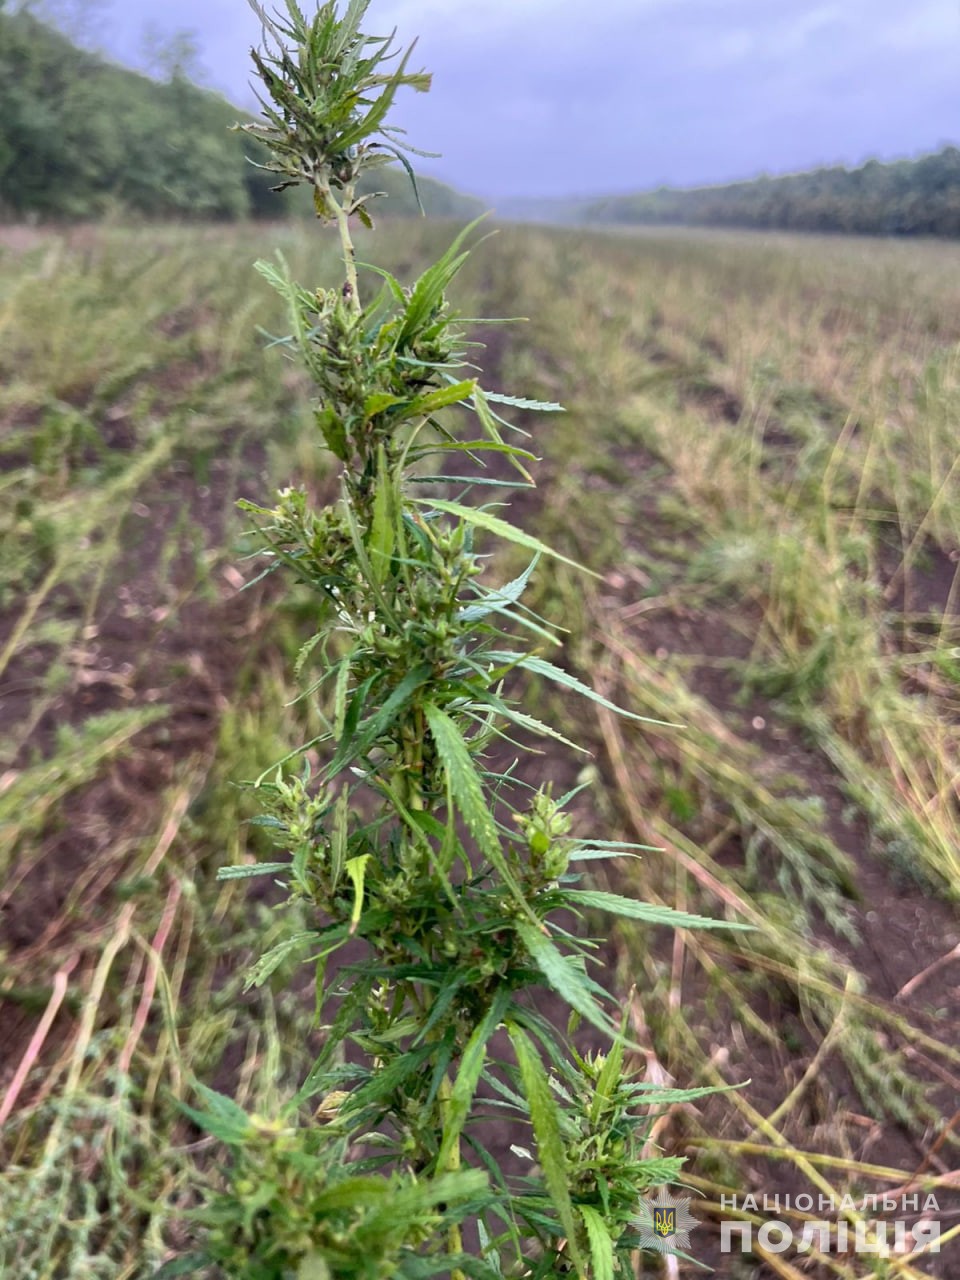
point(760, 460)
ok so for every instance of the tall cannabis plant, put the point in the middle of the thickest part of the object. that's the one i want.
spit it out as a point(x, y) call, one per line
point(407, 837)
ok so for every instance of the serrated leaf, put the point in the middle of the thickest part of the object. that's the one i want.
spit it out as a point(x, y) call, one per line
point(356, 869)
point(469, 482)
point(541, 667)
point(632, 909)
point(654, 1095)
point(550, 1147)
point(601, 855)
point(501, 597)
point(502, 529)
point(519, 402)
point(601, 1246)
point(318, 1077)
point(444, 396)
point(333, 431)
point(523, 721)
point(269, 821)
point(608, 1080)
point(661, 1170)
point(614, 847)
point(379, 401)
point(457, 1108)
point(441, 1003)
point(354, 742)
point(274, 958)
point(256, 869)
point(382, 525)
point(305, 651)
point(491, 421)
point(383, 1083)
point(389, 1201)
point(338, 837)
point(472, 446)
point(244, 504)
point(398, 154)
point(359, 1192)
point(468, 794)
point(565, 977)
point(429, 289)
point(484, 1237)
point(340, 698)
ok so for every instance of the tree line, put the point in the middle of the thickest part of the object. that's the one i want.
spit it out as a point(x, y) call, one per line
point(902, 198)
point(82, 138)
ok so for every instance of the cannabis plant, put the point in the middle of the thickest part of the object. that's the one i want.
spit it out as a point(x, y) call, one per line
point(400, 826)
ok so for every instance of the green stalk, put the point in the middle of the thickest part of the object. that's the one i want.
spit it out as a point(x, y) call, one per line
point(454, 1236)
point(413, 763)
point(351, 290)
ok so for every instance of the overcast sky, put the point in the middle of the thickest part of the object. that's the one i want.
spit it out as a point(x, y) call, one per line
point(567, 97)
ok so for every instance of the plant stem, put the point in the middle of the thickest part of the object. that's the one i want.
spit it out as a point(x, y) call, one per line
point(413, 760)
point(352, 288)
point(454, 1237)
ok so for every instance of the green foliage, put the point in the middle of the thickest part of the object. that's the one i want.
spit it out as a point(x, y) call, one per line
point(79, 137)
point(400, 831)
point(299, 1206)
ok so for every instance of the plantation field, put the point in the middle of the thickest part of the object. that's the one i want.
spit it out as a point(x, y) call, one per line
point(760, 461)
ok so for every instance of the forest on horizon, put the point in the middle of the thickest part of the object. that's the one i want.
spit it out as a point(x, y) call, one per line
point(918, 197)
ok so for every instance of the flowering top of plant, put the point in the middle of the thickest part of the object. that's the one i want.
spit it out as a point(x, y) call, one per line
point(406, 836)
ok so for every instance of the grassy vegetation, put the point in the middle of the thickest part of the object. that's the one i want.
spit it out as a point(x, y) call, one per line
point(760, 457)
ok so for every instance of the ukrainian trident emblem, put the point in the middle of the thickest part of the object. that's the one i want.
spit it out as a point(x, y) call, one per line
point(664, 1223)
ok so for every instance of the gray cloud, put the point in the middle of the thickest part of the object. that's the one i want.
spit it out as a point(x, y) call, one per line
point(541, 97)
